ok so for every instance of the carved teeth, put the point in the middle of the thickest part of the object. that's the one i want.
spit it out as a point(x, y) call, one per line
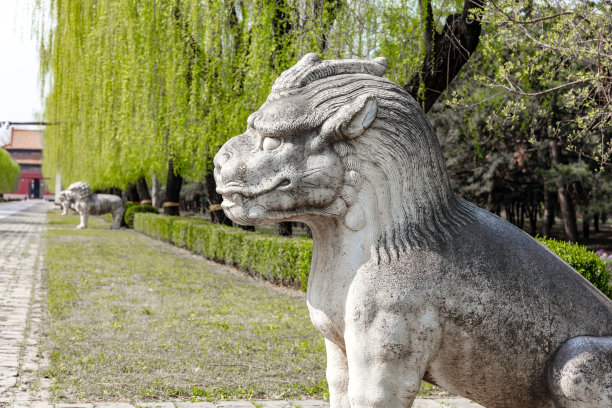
point(237, 199)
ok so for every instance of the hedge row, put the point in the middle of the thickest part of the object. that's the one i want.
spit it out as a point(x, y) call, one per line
point(287, 260)
point(584, 261)
point(280, 260)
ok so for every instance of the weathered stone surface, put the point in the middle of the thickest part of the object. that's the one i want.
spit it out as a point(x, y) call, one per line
point(408, 280)
point(195, 405)
point(447, 402)
point(79, 197)
point(273, 403)
point(21, 264)
point(235, 404)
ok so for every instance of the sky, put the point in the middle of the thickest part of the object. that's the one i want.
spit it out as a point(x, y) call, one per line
point(19, 86)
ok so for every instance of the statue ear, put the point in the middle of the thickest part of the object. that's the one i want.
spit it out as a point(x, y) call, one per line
point(352, 119)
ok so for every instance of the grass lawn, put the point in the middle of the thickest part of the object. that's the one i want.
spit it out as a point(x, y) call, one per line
point(134, 319)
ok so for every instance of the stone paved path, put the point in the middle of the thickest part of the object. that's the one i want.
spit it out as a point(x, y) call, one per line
point(21, 266)
point(21, 225)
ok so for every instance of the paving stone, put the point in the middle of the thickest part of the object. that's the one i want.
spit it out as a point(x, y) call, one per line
point(155, 405)
point(309, 403)
point(273, 403)
point(445, 402)
point(78, 405)
point(21, 227)
point(235, 404)
point(195, 405)
point(113, 405)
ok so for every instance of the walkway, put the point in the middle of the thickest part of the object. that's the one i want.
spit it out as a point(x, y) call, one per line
point(21, 266)
point(21, 225)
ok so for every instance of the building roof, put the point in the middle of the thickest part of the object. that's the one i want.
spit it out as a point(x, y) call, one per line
point(28, 161)
point(24, 139)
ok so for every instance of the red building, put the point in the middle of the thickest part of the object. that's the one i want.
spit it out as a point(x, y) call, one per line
point(25, 147)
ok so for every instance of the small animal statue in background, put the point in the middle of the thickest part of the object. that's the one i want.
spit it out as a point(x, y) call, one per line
point(409, 281)
point(79, 197)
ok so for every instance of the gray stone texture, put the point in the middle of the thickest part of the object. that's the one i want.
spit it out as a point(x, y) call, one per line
point(21, 263)
point(409, 281)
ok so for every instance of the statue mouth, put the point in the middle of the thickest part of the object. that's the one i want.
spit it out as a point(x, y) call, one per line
point(233, 200)
point(237, 194)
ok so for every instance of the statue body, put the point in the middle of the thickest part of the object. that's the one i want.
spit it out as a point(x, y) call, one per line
point(408, 281)
point(79, 197)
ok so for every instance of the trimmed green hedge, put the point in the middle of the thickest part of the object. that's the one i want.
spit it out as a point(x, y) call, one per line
point(128, 216)
point(277, 259)
point(287, 260)
point(584, 261)
point(153, 225)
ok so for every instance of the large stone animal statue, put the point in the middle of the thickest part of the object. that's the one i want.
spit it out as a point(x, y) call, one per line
point(79, 196)
point(410, 282)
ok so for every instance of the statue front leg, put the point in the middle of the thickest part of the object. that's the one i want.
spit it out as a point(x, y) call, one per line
point(387, 359)
point(337, 376)
point(84, 217)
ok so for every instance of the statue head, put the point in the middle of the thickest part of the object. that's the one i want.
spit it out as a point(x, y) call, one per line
point(65, 199)
point(334, 138)
point(80, 191)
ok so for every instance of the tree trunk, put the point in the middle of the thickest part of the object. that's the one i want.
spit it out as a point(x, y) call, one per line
point(533, 220)
point(596, 222)
point(568, 211)
point(586, 221)
point(155, 193)
point(549, 210)
point(283, 228)
point(132, 194)
point(445, 53)
point(143, 191)
point(214, 202)
point(173, 191)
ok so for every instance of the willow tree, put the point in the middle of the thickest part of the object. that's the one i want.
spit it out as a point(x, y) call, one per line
point(154, 87)
point(9, 172)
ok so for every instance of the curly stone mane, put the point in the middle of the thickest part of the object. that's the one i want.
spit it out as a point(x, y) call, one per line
point(399, 150)
point(81, 190)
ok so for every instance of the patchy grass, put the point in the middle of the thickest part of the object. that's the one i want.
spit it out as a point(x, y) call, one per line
point(133, 319)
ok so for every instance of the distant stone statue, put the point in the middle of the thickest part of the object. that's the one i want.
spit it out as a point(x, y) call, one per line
point(410, 282)
point(79, 197)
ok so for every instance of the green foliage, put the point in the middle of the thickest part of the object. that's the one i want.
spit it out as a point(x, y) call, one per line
point(277, 259)
point(584, 261)
point(544, 70)
point(287, 260)
point(153, 225)
point(133, 84)
point(128, 216)
point(9, 172)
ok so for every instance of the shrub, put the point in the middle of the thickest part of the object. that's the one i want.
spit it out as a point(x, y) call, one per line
point(584, 261)
point(287, 260)
point(277, 259)
point(153, 225)
point(131, 209)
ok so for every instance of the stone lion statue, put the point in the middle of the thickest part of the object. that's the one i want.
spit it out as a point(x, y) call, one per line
point(410, 282)
point(79, 197)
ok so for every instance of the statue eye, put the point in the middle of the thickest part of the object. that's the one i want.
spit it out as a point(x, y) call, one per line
point(270, 143)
